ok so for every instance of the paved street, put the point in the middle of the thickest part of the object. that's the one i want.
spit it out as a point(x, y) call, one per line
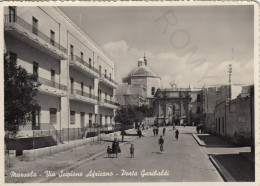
point(182, 160)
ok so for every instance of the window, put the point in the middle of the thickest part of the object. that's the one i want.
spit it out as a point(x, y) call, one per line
point(105, 73)
point(82, 88)
point(111, 119)
point(82, 119)
point(36, 120)
point(90, 91)
point(72, 117)
point(198, 97)
point(153, 90)
point(12, 14)
point(52, 39)
point(53, 115)
point(105, 96)
point(52, 75)
point(71, 52)
point(35, 70)
point(95, 118)
point(72, 85)
point(99, 69)
point(90, 120)
point(35, 25)
point(110, 76)
point(223, 125)
point(89, 60)
point(198, 109)
point(100, 119)
point(105, 119)
point(13, 56)
point(82, 56)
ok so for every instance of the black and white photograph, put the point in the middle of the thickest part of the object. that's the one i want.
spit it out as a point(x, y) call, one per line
point(127, 93)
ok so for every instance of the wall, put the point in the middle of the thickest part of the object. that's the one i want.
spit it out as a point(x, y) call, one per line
point(234, 120)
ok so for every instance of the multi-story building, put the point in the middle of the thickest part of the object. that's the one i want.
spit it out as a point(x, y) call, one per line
point(76, 76)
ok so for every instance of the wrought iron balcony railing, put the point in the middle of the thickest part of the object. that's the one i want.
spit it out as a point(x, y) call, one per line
point(16, 19)
point(84, 94)
point(50, 83)
point(74, 57)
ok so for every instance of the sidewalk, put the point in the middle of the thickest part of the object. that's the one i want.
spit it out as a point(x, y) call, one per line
point(65, 161)
point(233, 163)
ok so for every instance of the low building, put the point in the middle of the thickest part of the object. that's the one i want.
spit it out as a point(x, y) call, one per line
point(235, 119)
point(212, 95)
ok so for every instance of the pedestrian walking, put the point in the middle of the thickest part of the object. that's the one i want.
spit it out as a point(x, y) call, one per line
point(161, 142)
point(154, 131)
point(132, 151)
point(139, 132)
point(177, 134)
point(164, 131)
point(157, 131)
point(109, 151)
point(115, 147)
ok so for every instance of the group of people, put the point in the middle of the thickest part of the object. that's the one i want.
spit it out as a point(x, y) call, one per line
point(155, 131)
point(161, 140)
point(116, 149)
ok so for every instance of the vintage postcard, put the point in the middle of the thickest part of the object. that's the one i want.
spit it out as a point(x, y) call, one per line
point(129, 92)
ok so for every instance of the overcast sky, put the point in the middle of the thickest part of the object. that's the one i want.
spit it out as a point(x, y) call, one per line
point(188, 45)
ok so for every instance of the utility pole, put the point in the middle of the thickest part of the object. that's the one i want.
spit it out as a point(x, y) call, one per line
point(229, 82)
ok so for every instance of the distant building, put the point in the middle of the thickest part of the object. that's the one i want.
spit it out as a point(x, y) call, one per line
point(179, 106)
point(213, 95)
point(144, 76)
point(139, 87)
point(235, 119)
point(131, 94)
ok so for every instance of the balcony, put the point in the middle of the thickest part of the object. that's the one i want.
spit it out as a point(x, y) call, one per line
point(17, 27)
point(107, 81)
point(108, 103)
point(51, 87)
point(84, 97)
point(82, 66)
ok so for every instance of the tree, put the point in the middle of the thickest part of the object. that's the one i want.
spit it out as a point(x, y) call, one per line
point(127, 115)
point(20, 88)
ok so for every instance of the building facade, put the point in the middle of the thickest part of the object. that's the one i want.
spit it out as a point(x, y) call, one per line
point(213, 95)
point(144, 76)
point(77, 77)
point(235, 119)
point(179, 106)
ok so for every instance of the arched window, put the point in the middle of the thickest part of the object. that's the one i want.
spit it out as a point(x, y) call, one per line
point(153, 90)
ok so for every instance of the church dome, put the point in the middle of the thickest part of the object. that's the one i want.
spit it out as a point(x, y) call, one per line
point(142, 71)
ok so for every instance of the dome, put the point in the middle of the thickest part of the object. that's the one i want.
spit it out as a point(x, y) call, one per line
point(142, 71)
point(141, 60)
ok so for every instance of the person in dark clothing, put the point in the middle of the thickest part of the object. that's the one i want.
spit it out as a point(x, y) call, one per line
point(157, 131)
point(164, 131)
point(115, 147)
point(161, 142)
point(177, 134)
point(132, 151)
point(154, 131)
point(109, 151)
point(139, 133)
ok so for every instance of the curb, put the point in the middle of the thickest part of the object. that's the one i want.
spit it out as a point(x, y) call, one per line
point(221, 169)
point(98, 154)
point(201, 143)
